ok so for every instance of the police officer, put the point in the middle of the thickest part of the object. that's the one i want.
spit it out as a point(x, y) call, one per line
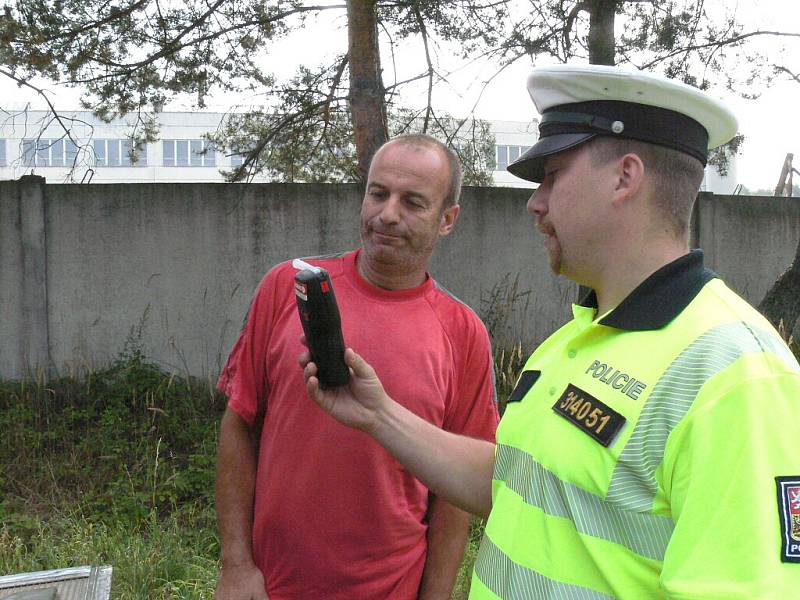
point(649, 447)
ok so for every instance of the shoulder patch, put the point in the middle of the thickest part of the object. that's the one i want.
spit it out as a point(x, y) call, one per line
point(789, 511)
point(590, 415)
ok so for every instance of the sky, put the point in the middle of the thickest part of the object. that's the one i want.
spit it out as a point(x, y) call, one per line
point(770, 124)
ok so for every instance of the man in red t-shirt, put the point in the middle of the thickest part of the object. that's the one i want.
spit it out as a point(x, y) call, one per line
point(308, 508)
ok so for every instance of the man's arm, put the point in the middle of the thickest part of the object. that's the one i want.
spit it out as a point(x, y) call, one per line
point(239, 578)
point(455, 468)
point(448, 529)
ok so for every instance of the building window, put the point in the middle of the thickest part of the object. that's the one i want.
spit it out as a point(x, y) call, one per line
point(117, 153)
point(508, 154)
point(502, 158)
point(2, 153)
point(189, 153)
point(40, 152)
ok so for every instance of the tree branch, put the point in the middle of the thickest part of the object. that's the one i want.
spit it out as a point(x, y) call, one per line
point(734, 40)
point(114, 15)
point(326, 113)
point(573, 14)
point(424, 33)
point(53, 111)
point(173, 46)
point(781, 68)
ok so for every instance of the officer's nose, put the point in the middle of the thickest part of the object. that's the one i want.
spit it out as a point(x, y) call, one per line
point(537, 203)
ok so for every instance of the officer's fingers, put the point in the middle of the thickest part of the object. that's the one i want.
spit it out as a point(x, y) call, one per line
point(309, 370)
point(312, 387)
point(304, 358)
point(360, 367)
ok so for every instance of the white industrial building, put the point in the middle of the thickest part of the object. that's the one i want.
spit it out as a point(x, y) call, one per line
point(99, 152)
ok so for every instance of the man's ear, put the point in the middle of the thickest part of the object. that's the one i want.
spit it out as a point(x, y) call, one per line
point(449, 218)
point(629, 177)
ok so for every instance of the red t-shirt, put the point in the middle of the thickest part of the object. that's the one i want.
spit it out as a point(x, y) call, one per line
point(335, 515)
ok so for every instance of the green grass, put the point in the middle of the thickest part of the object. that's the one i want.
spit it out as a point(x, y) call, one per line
point(116, 467)
point(169, 556)
point(461, 588)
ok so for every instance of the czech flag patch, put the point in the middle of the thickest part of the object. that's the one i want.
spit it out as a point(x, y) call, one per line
point(789, 510)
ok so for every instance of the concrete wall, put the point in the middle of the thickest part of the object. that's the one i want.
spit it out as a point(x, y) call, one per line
point(748, 240)
point(80, 266)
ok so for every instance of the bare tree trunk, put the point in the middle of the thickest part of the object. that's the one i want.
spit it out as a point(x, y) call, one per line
point(602, 43)
point(367, 103)
point(782, 302)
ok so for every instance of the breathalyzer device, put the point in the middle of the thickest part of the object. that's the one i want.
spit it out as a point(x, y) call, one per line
point(319, 315)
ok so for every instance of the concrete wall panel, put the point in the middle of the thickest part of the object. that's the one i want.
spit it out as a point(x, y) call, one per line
point(11, 324)
point(749, 240)
point(85, 264)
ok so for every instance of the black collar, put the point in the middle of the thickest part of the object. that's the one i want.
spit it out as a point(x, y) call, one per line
point(659, 298)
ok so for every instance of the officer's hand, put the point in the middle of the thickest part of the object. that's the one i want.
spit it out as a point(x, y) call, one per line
point(241, 583)
point(357, 404)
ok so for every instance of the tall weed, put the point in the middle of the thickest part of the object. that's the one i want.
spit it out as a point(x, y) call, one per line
point(499, 307)
point(112, 466)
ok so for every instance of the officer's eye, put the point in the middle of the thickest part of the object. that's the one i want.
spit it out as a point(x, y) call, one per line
point(550, 173)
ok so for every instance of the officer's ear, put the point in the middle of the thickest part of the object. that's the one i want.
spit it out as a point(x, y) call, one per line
point(629, 177)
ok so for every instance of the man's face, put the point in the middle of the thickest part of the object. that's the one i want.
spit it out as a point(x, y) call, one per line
point(569, 212)
point(402, 215)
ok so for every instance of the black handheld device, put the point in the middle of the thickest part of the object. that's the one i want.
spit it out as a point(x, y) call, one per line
point(319, 315)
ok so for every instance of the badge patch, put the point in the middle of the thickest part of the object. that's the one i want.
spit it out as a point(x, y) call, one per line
point(524, 383)
point(589, 414)
point(789, 510)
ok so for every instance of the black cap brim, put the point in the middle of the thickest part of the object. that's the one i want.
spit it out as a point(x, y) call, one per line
point(530, 166)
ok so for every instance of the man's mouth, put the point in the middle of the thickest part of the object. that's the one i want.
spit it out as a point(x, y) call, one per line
point(386, 234)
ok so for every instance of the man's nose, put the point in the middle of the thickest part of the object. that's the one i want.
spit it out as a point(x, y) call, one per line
point(390, 211)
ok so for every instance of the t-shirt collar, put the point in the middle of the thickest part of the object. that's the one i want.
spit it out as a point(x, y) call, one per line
point(660, 298)
point(351, 269)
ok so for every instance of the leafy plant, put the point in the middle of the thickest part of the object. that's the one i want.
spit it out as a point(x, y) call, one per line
point(112, 467)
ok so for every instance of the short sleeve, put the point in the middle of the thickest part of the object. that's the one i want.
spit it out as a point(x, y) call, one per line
point(244, 378)
point(473, 406)
point(721, 485)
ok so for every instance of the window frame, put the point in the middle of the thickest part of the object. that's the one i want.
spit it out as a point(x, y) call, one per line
point(185, 153)
point(122, 153)
point(44, 152)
